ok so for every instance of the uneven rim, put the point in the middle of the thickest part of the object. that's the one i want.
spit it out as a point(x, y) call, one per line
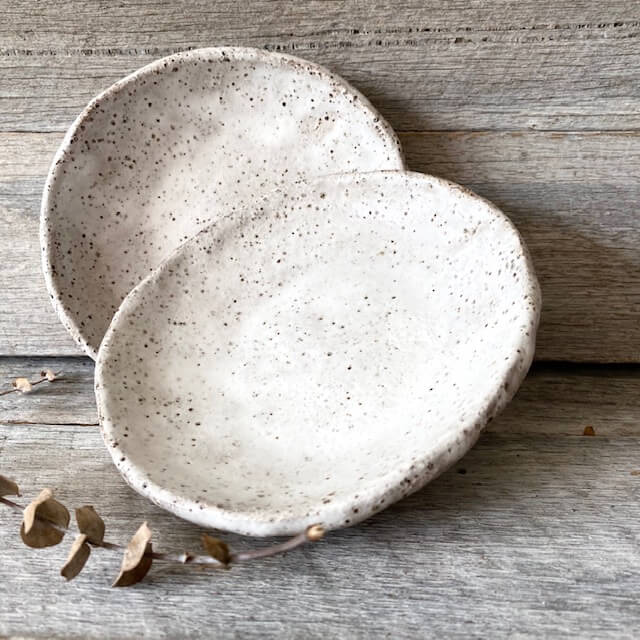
point(237, 54)
point(388, 489)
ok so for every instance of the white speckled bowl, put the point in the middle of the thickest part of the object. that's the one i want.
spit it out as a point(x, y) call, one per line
point(317, 357)
point(155, 157)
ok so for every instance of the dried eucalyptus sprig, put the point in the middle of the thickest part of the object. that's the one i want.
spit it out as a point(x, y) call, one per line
point(45, 522)
point(25, 386)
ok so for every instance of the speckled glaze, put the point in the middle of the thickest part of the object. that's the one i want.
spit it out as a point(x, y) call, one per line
point(320, 355)
point(158, 155)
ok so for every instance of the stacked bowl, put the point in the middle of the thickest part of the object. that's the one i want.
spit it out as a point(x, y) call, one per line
point(289, 326)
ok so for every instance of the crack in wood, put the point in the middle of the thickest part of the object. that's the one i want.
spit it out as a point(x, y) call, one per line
point(458, 35)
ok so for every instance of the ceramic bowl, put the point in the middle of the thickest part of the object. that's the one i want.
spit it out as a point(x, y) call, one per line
point(318, 356)
point(155, 157)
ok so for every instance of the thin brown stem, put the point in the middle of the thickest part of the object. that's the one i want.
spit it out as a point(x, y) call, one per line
point(11, 504)
point(33, 383)
point(311, 534)
point(108, 545)
point(188, 558)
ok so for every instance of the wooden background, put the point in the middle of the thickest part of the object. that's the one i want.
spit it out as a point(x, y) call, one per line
point(533, 104)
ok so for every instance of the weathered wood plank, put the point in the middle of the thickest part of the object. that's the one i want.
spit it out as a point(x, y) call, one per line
point(426, 66)
point(562, 400)
point(68, 400)
point(555, 399)
point(574, 196)
point(156, 23)
point(28, 324)
point(535, 538)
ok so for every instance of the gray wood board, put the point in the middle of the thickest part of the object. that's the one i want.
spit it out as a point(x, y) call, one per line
point(535, 69)
point(536, 537)
point(133, 24)
point(67, 400)
point(574, 197)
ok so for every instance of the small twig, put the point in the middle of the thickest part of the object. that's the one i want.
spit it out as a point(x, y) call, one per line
point(33, 383)
point(187, 558)
point(311, 534)
point(13, 505)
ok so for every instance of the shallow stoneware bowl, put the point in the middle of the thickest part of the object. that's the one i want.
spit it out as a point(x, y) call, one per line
point(318, 356)
point(155, 157)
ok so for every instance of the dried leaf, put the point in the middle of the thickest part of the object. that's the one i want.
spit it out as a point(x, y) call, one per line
point(216, 549)
point(36, 530)
point(90, 523)
point(48, 374)
point(41, 535)
point(22, 384)
point(135, 563)
point(8, 487)
point(78, 557)
point(46, 507)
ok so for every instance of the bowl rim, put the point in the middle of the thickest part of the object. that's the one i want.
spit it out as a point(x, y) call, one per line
point(239, 54)
point(398, 483)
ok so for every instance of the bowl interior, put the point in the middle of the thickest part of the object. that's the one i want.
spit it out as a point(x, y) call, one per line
point(317, 357)
point(159, 155)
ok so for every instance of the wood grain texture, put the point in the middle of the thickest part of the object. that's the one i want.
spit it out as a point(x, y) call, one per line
point(67, 400)
point(160, 23)
point(573, 196)
point(534, 69)
point(531, 534)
